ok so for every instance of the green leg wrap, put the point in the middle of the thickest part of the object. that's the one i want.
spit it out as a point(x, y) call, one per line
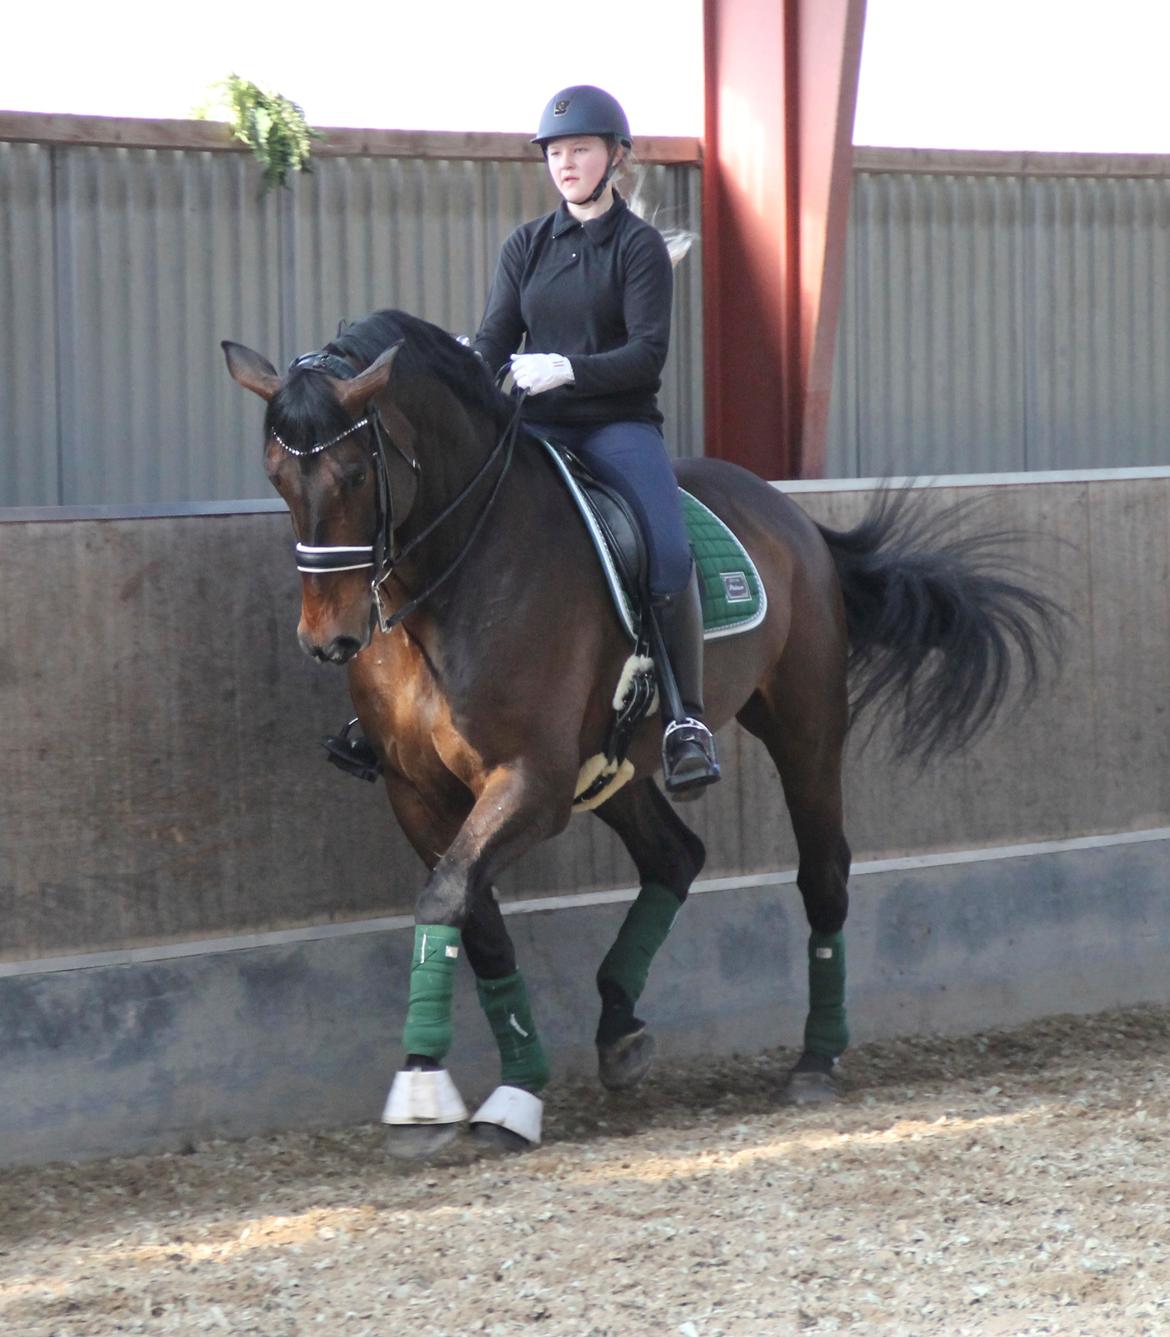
point(643, 931)
point(826, 1032)
point(432, 981)
point(522, 1060)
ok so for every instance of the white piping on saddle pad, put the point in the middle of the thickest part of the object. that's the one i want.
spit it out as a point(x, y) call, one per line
point(597, 764)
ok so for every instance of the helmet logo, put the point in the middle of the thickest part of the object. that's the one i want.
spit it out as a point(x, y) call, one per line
point(561, 106)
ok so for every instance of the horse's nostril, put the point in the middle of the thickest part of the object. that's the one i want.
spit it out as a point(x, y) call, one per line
point(341, 649)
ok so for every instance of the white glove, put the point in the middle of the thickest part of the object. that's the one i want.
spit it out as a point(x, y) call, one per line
point(538, 372)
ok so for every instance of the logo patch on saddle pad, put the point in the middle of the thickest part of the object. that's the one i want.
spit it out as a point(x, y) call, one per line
point(736, 589)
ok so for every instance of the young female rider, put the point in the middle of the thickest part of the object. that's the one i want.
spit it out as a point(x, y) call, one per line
point(588, 288)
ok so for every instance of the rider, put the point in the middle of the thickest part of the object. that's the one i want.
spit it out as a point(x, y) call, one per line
point(588, 288)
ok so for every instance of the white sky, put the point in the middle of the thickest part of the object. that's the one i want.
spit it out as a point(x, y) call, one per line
point(1086, 75)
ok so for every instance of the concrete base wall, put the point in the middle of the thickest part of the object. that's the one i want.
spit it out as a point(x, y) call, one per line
point(134, 1052)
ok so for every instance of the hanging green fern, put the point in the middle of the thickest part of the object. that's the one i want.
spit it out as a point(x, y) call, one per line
point(272, 126)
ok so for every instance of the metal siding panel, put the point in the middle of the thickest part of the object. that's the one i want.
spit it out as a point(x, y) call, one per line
point(931, 326)
point(161, 254)
point(842, 444)
point(1004, 322)
point(28, 363)
point(681, 398)
point(232, 291)
point(1097, 322)
point(419, 235)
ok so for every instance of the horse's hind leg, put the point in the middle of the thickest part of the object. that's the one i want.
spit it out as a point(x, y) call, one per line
point(803, 729)
point(668, 857)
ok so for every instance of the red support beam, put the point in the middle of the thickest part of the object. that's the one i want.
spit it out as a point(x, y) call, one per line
point(781, 87)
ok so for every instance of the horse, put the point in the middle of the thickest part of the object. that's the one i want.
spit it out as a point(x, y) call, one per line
point(444, 565)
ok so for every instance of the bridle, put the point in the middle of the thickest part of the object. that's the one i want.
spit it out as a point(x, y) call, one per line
point(384, 555)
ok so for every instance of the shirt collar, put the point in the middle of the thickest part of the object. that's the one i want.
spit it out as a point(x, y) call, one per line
point(598, 230)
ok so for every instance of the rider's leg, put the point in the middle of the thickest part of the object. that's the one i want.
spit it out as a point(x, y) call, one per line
point(631, 458)
point(688, 747)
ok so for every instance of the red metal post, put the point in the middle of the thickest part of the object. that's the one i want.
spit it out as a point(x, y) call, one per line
point(781, 87)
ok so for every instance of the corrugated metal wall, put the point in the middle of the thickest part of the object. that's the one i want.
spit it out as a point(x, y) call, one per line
point(123, 268)
point(1003, 320)
point(29, 427)
point(1000, 312)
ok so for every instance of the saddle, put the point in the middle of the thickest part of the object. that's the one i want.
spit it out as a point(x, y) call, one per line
point(621, 534)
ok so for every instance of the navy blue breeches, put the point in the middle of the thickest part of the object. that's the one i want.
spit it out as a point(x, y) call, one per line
point(631, 458)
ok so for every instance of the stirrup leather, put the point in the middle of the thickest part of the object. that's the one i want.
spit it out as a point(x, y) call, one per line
point(688, 755)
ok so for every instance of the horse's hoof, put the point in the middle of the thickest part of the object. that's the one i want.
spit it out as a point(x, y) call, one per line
point(809, 1088)
point(627, 1061)
point(424, 1112)
point(419, 1141)
point(492, 1137)
point(508, 1120)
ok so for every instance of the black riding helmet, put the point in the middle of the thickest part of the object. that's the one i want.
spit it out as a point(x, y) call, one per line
point(585, 110)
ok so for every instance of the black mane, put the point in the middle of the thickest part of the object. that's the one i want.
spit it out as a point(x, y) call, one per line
point(304, 410)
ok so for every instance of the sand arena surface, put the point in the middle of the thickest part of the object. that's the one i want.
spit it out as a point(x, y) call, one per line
point(1010, 1183)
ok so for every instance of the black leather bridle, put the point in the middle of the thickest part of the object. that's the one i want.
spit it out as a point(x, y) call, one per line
point(384, 555)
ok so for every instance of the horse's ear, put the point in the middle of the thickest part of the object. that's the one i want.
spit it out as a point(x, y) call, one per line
point(250, 370)
point(355, 394)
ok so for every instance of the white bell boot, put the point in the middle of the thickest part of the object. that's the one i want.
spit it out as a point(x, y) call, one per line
point(516, 1111)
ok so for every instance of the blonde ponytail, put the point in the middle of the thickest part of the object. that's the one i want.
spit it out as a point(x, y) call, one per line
point(630, 178)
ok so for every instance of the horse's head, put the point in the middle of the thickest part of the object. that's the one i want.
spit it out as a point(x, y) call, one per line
point(340, 453)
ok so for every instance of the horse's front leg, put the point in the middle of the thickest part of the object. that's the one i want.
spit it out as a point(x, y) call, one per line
point(518, 806)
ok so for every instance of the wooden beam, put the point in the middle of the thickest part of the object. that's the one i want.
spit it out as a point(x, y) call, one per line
point(216, 137)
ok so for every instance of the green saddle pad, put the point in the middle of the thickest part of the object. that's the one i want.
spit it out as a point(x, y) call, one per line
point(733, 594)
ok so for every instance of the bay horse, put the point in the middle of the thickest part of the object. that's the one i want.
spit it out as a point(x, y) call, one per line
point(443, 563)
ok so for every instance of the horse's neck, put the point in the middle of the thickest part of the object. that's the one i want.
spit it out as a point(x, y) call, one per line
point(523, 533)
point(451, 451)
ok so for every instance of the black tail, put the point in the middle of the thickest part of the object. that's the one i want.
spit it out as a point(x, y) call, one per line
point(933, 618)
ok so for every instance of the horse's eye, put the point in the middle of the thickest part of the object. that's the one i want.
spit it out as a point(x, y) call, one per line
point(355, 479)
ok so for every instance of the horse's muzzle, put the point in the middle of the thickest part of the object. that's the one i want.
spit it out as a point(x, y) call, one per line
point(338, 650)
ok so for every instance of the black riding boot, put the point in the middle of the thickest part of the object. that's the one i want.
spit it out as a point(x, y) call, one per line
point(688, 747)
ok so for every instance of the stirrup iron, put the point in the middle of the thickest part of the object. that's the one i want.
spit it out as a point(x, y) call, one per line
point(689, 761)
point(354, 756)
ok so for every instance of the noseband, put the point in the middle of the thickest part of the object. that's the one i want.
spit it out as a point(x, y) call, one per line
point(384, 554)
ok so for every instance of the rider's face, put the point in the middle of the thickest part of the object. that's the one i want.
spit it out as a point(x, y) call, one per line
point(577, 164)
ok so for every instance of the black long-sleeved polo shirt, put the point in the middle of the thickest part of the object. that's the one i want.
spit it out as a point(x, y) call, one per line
point(599, 293)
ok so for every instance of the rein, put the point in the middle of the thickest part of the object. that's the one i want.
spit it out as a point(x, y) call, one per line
point(384, 555)
point(389, 561)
